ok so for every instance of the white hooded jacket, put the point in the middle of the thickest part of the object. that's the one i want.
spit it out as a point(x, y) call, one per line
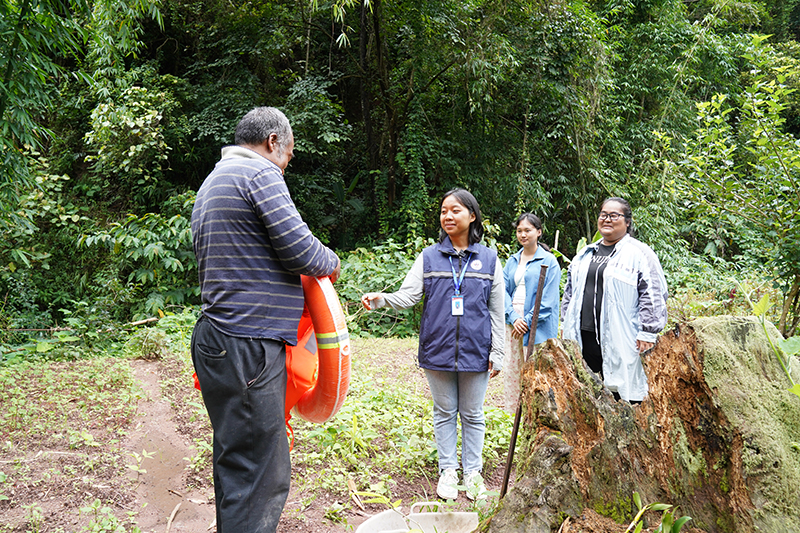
point(634, 308)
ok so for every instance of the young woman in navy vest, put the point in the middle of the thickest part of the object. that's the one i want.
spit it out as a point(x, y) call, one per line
point(461, 339)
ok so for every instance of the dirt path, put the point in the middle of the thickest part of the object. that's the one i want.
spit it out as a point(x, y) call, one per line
point(163, 486)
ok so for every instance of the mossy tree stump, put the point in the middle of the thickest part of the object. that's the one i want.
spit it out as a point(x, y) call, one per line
point(718, 436)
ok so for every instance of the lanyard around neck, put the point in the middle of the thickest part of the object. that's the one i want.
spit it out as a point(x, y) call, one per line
point(457, 280)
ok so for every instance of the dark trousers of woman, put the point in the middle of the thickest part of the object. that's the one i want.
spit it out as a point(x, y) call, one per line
point(591, 351)
point(243, 382)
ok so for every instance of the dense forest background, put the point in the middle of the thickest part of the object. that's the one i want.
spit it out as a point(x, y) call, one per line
point(112, 112)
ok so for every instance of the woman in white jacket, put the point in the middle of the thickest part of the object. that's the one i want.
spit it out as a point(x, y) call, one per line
point(615, 302)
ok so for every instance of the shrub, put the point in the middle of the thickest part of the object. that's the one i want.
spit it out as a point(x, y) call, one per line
point(381, 268)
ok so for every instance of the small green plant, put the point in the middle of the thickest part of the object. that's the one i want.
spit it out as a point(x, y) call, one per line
point(668, 522)
point(104, 521)
point(137, 467)
point(35, 517)
point(202, 459)
point(334, 513)
point(79, 439)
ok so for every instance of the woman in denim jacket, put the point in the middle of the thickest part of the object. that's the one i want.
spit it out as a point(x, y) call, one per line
point(521, 276)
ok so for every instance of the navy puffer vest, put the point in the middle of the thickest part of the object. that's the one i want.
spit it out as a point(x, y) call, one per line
point(456, 343)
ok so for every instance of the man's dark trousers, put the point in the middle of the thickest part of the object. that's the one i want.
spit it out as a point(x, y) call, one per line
point(243, 382)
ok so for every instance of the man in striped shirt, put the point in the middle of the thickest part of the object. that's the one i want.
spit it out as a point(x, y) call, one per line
point(251, 246)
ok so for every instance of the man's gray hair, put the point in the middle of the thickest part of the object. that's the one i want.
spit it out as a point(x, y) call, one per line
point(258, 124)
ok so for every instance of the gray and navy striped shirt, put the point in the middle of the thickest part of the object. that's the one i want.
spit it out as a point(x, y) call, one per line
point(251, 246)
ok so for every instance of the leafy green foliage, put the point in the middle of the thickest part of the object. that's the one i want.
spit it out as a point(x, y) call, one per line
point(36, 36)
point(128, 145)
point(114, 32)
point(379, 269)
point(156, 250)
point(749, 168)
point(33, 33)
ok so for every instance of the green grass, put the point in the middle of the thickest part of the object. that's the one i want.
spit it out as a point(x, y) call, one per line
point(73, 416)
point(384, 432)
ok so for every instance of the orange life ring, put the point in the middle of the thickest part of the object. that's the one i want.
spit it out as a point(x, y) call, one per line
point(318, 368)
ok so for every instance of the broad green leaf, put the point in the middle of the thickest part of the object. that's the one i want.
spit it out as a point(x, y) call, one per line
point(637, 499)
point(795, 389)
point(790, 346)
point(44, 347)
point(676, 527)
point(763, 305)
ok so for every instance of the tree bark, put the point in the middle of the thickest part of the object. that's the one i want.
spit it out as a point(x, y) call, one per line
point(717, 436)
point(790, 307)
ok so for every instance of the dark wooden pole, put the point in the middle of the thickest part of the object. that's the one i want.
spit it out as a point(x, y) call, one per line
point(531, 341)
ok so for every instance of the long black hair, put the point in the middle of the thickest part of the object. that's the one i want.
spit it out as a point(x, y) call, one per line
point(534, 221)
point(466, 199)
point(626, 210)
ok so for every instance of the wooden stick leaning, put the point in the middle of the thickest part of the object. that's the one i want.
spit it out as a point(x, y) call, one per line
point(531, 342)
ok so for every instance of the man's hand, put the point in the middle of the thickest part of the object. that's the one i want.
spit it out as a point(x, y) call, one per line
point(337, 271)
point(492, 371)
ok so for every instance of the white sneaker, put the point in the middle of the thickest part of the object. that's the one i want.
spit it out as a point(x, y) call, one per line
point(476, 490)
point(446, 489)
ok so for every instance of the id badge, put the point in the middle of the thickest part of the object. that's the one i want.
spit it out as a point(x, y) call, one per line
point(457, 306)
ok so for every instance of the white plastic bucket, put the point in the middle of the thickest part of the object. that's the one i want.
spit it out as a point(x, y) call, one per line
point(425, 516)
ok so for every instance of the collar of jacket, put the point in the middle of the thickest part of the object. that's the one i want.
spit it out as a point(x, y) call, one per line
point(625, 238)
point(447, 248)
point(536, 257)
point(234, 151)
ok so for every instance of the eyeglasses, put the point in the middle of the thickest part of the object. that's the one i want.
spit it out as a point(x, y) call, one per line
point(613, 217)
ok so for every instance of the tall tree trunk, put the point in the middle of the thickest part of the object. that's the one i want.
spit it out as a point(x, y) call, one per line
point(390, 126)
point(364, 87)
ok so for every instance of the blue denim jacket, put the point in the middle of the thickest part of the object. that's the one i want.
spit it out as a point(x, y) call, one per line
point(547, 325)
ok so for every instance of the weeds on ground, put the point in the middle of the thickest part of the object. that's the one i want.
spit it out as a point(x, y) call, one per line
point(46, 403)
point(73, 418)
point(104, 521)
point(384, 430)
